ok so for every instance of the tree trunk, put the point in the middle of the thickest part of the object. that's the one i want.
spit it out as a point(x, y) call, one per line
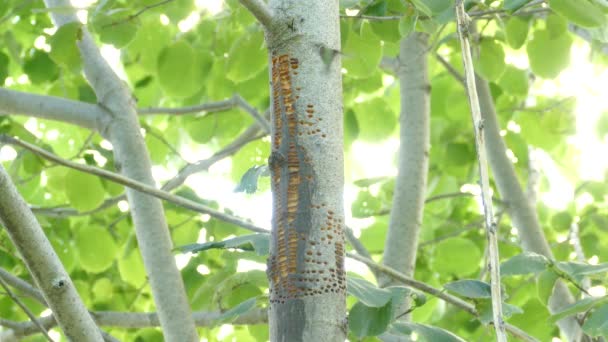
point(306, 264)
point(132, 160)
point(410, 184)
point(519, 208)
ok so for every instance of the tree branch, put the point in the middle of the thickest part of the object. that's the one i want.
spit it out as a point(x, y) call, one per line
point(19, 330)
point(260, 11)
point(53, 108)
point(129, 148)
point(44, 265)
point(25, 309)
point(459, 303)
point(450, 69)
point(522, 213)
point(492, 246)
point(141, 187)
point(235, 101)
point(246, 137)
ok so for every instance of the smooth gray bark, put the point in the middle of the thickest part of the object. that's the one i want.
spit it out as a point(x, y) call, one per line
point(519, 208)
point(410, 184)
point(53, 108)
point(44, 265)
point(132, 159)
point(306, 264)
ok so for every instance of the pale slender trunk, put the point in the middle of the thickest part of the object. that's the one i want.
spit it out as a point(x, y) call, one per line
point(44, 265)
point(522, 213)
point(410, 184)
point(306, 264)
point(132, 160)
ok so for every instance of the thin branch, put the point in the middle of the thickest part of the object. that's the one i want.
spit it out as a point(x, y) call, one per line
point(260, 11)
point(129, 320)
point(44, 265)
point(459, 303)
point(252, 133)
point(64, 211)
point(494, 262)
point(78, 113)
point(468, 307)
point(450, 69)
point(211, 107)
point(25, 309)
point(183, 202)
point(138, 13)
point(22, 286)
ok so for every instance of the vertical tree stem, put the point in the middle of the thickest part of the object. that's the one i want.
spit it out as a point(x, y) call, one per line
point(494, 261)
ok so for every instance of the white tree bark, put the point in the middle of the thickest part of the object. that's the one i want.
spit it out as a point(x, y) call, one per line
point(306, 264)
point(521, 212)
point(44, 265)
point(410, 185)
point(53, 108)
point(131, 157)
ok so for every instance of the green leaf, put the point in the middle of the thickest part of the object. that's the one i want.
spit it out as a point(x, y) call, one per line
point(407, 24)
point(375, 118)
point(556, 25)
point(517, 32)
point(260, 243)
point(365, 205)
point(362, 53)
point(514, 5)
point(63, 46)
point(469, 288)
point(548, 56)
point(235, 312)
point(102, 290)
point(431, 7)
point(545, 283)
point(524, 263)
point(491, 61)
point(131, 269)
point(561, 221)
point(96, 249)
point(485, 311)
point(369, 321)
point(457, 256)
point(426, 333)
point(4, 66)
point(459, 154)
point(579, 270)
point(248, 57)
point(579, 306)
point(179, 70)
point(84, 191)
point(40, 68)
point(115, 27)
point(534, 320)
point(580, 12)
point(249, 181)
point(597, 323)
point(368, 293)
point(515, 81)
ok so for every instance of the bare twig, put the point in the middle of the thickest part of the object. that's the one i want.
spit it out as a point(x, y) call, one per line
point(137, 14)
point(235, 101)
point(450, 68)
point(183, 202)
point(25, 309)
point(459, 303)
point(494, 260)
point(128, 320)
point(252, 133)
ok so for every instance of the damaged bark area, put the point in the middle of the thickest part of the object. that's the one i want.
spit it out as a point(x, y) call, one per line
point(306, 263)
